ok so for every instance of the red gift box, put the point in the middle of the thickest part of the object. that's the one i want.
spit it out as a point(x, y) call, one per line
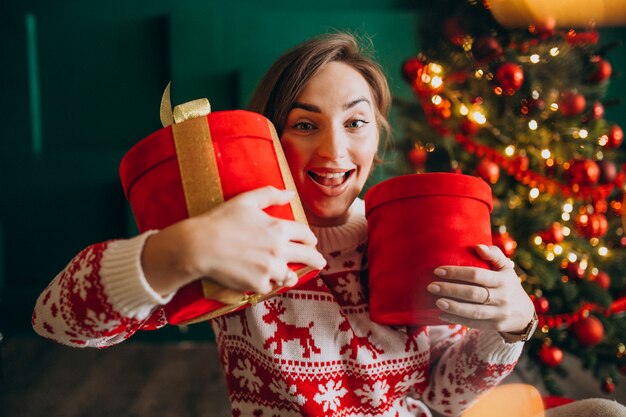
point(189, 167)
point(415, 224)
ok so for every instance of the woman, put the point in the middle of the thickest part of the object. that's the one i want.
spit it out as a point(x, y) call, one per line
point(313, 350)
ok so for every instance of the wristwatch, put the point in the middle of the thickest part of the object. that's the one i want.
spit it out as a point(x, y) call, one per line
point(526, 333)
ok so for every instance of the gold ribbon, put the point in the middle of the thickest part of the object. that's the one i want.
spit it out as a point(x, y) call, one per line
point(203, 189)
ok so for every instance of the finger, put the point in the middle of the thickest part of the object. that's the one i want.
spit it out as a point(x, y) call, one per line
point(494, 255)
point(470, 274)
point(297, 232)
point(265, 197)
point(467, 310)
point(472, 293)
point(464, 321)
point(301, 254)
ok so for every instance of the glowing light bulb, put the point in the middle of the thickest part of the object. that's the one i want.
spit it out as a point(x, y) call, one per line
point(583, 133)
point(558, 249)
point(594, 271)
point(463, 110)
point(532, 125)
point(566, 231)
point(534, 58)
point(535, 94)
point(538, 240)
point(534, 193)
point(565, 217)
point(436, 99)
point(572, 257)
point(509, 150)
point(479, 73)
point(479, 117)
point(546, 154)
point(550, 256)
point(554, 51)
point(603, 251)
point(436, 82)
point(436, 68)
point(554, 106)
point(568, 207)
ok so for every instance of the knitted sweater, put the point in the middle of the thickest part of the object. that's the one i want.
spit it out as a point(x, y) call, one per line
point(311, 351)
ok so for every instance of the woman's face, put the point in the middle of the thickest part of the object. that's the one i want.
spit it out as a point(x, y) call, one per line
point(330, 140)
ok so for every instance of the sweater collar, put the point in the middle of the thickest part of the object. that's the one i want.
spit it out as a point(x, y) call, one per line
point(350, 234)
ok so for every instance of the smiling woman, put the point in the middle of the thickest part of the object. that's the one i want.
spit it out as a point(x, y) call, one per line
point(330, 139)
point(313, 350)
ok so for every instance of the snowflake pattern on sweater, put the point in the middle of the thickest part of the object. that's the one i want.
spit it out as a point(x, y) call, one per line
point(310, 351)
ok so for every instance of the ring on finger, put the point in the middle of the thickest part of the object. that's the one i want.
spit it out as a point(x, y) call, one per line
point(488, 296)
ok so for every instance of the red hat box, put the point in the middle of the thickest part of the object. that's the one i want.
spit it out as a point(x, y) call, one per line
point(415, 224)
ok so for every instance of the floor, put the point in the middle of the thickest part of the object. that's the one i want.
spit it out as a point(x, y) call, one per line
point(138, 379)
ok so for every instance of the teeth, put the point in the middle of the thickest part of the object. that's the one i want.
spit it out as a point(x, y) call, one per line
point(330, 174)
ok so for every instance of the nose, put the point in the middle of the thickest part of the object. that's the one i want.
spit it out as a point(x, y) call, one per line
point(333, 144)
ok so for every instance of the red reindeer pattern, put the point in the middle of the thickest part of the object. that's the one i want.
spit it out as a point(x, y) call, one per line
point(287, 332)
point(358, 341)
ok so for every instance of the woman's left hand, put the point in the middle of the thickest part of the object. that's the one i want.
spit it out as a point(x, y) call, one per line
point(483, 298)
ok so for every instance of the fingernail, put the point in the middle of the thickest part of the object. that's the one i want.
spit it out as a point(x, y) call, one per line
point(484, 247)
point(442, 304)
point(434, 288)
point(440, 272)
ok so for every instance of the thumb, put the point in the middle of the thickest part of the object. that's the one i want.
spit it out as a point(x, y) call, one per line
point(494, 255)
point(265, 196)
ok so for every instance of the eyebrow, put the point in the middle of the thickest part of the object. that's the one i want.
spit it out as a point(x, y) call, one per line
point(316, 109)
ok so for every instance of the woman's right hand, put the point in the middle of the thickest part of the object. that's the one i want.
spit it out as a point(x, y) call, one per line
point(236, 244)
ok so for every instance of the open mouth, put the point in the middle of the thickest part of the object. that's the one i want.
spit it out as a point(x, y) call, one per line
point(330, 179)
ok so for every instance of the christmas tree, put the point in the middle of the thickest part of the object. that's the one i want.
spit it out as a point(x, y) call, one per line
point(523, 109)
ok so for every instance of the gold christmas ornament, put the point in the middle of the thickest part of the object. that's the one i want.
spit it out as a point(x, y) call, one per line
point(564, 13)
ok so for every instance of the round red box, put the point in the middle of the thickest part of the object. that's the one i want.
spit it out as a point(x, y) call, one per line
point(417, 223)
point(247, 156)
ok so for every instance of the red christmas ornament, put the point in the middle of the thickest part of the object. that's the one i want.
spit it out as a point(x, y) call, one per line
point(589, 331)
point(506, 243)
point(572, 104)
point(411, 69)
point(615, 137)
point(488, 171)
point(553, 234)
point(592, 225)
point(584, 172)
point(602, 279)
point(602, 72)
point(487, 48)
point(597, 110)
point(542, 305)
point(550, 355)
point(574, 271)
point(510, 77)
point(417, 156)
point(608, 171)
point(608, 385)
point(454, 30)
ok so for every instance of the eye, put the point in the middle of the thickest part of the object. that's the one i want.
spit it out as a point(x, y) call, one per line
point(357, 123)
point(304, 126)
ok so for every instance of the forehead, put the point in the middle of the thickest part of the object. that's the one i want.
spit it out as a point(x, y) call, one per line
point(336, 81)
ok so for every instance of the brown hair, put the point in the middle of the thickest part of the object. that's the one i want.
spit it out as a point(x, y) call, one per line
point(287, 77)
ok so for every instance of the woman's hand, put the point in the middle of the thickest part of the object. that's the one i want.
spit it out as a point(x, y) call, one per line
point(484, 299)
point(236, 244)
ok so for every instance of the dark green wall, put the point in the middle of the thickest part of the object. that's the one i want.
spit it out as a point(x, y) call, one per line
point(82, 83)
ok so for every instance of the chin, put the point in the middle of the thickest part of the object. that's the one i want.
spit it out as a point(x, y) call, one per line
point(328, 213)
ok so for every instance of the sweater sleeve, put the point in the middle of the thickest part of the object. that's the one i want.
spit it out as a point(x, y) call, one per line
point(466, 364)
point(101, 297)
